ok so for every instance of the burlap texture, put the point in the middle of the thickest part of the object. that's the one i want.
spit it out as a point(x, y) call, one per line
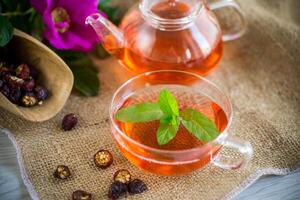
point(261, 74)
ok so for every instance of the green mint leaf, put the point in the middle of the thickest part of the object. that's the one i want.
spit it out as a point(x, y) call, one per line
point(85, 77)
point(168, 103)
point(143, 112)
point(168, 119)
point(166, 132)
point(6, 31)
point(199, 125)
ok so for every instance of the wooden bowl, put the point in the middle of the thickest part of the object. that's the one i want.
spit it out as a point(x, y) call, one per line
point(54, 74)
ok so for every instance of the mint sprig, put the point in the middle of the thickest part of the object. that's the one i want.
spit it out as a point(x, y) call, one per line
point(199, 125)
point(167, 112)
point(144, 112)
point(168, 103)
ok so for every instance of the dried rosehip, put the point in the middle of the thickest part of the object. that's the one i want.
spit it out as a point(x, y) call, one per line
point(103, 159)
point(137, 186)
point(29, 100)
point(41, 93)
point(2, 64)
point(1, 83)
point(117, 189)
point(23, 71)
point(4, 70)
point(15, 95)
point(28, 85)
point(5, 90)
point(13, 82)
point(62, 172)
point(81, 195)
point(122, 175)
point(69, 122)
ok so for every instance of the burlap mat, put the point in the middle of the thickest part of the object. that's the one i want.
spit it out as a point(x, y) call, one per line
point(261, 74)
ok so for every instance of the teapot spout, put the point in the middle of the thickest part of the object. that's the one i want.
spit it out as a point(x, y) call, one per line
point(110, 35)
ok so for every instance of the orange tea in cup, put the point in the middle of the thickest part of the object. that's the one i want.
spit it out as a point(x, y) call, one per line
point(184, 153)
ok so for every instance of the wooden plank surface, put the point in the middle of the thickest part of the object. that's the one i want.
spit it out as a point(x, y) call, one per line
point(267, 188)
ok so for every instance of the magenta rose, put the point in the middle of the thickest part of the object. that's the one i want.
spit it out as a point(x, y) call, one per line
point(64, 22)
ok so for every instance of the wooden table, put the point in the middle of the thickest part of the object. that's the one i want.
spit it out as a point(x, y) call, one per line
point(267, 188)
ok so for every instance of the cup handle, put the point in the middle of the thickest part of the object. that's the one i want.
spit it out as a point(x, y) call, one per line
point(235, 144)
point(235, 6)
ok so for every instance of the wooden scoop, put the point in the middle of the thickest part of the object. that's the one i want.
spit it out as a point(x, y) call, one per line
point(54, 74)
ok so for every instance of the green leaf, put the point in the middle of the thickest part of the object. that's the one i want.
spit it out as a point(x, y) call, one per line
point(36, 25)
point(6, 31)
point(71, 56)
point(113, 12)
point(100, 52)
point(10, 5)
point(168, 103)
point(85, 80)
point(144, 112)
point(199, 125)
point(168, 119)
point(166, 132)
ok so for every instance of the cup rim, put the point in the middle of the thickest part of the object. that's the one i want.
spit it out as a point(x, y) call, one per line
point(222, 136)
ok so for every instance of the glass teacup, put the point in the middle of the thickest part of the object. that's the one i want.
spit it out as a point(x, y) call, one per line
point(137, 141)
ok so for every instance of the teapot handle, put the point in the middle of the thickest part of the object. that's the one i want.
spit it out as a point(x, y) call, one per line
point(230, 3)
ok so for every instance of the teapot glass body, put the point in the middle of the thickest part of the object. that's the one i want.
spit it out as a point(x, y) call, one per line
point(162, 35)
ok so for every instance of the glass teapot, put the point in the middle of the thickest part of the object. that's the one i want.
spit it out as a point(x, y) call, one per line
point(167, 34)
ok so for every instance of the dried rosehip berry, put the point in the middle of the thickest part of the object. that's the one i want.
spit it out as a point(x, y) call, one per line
point(15, 96)
point(41, 93)
point(5, 90)
point(62, 172)
point(1, 83)
point(23, 71)
point(81, 195)
point(2, 64)
point(69, 122)
point(122, 175)
point(137, 186)
point(103, 159)
point(117, 189)
point(13, 82)
point(5, 71)
point(29, 100)
point(28, 85)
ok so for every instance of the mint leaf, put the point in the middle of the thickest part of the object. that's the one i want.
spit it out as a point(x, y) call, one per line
point(168, 103)
point(6, 31)
point(143, 112)
point(168, 119)
point(199, 125)
point(166, 132)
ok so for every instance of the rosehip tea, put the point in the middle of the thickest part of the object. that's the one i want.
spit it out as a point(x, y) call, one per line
point(170, 128)
point(145, 133)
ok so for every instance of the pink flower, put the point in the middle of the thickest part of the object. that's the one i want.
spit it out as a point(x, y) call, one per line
point(64, 22)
